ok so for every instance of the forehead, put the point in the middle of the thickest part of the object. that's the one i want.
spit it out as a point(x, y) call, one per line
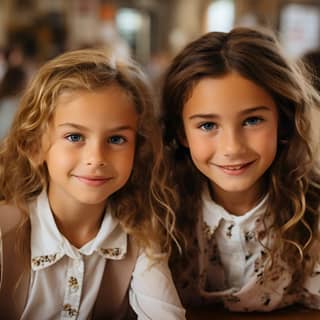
point(67, 95)
point(228, 92)
point(95, 107)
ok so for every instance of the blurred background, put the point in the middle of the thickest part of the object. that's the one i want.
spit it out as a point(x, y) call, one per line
point(150, 30)
point(33, 31)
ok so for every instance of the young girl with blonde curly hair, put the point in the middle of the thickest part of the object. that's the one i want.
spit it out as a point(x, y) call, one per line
point(237, 127)
point(84, 216)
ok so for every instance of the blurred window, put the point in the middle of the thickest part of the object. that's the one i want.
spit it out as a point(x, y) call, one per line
point(134, 26)
point(299, 28)
point(128, 20)
point(220, 15)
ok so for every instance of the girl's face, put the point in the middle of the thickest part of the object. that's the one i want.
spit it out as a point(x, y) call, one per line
point(89, 148)
point(231, 128)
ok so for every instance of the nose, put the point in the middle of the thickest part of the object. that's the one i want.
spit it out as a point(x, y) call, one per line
point(232, 142)
point(95, 155)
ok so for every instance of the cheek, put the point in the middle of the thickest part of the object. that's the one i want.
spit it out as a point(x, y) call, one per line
point(54, 159)
point(57, 164)
point(125, 160)
point(129, 160)
point(267, 144)
point(200, 148)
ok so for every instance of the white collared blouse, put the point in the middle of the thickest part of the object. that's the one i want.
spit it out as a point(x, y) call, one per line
point(65, 280)
point(229, 264)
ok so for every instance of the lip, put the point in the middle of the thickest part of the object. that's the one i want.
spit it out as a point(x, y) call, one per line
point(235, 169)
point(94, 181)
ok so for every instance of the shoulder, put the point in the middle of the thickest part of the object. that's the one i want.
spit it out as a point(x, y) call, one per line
point(9, 218)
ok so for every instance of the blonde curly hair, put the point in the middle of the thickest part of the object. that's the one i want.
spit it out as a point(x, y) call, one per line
point(141, 205)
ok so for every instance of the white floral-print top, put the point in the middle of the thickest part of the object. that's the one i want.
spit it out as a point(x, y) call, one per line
point(228, 264)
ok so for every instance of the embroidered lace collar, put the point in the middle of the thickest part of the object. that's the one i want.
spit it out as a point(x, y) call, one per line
point(214, 213)
point(48, 245)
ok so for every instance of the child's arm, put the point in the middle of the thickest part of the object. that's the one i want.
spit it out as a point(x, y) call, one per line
point(152, 292)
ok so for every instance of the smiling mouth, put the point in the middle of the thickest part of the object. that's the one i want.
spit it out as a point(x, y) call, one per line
point(93, 181)
point(237, 168)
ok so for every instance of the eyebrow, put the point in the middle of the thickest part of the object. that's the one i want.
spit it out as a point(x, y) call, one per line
point(244, 112)
point(83, 128)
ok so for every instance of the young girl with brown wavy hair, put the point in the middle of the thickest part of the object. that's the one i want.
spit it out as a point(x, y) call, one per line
point(237, 129)
point(84, 217)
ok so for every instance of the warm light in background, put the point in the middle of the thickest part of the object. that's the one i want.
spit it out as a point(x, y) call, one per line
point(220, 16)
point(299, 28)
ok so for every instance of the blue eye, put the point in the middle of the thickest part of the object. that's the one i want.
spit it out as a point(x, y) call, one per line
point(253, 121)
point(208, 126)
point(116, 140)
point(74, 137)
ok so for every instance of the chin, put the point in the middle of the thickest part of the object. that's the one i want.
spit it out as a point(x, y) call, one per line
point(92, 201)
point(234, 189)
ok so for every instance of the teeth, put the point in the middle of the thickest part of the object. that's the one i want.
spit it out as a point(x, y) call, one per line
point(233, 168)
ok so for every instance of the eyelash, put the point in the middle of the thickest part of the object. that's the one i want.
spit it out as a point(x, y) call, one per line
point(117, 140)
point(70, 137)
point(204, 126)
point(112, 138)
point(256, 120)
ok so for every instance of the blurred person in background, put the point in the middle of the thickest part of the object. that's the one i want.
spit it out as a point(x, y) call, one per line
point(11, 86)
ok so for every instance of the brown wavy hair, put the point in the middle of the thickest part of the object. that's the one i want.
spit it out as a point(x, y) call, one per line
point(293, 179)
point(141, 205)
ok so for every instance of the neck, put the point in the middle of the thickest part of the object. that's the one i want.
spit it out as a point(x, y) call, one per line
point(236, 203)
point(79, 223)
